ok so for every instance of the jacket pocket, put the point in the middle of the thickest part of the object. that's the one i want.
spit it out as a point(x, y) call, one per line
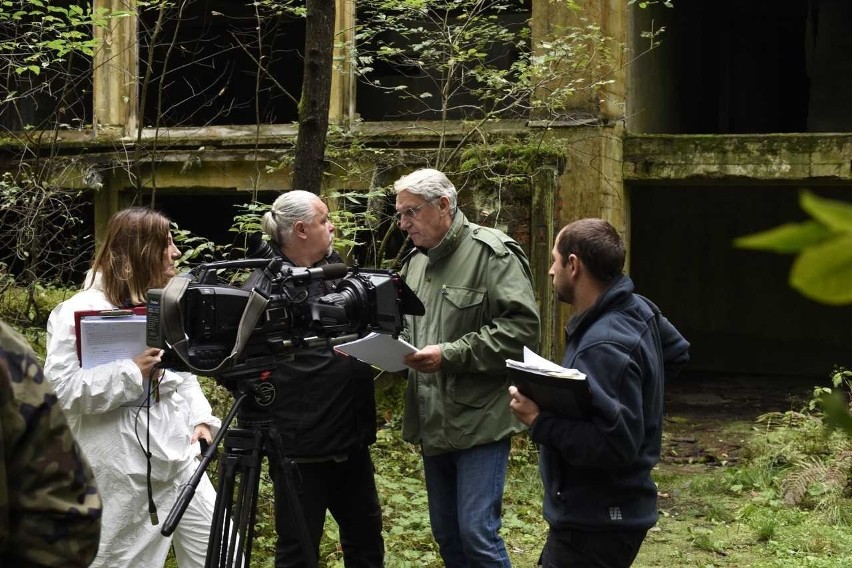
point(463, 311)
point(473, 391)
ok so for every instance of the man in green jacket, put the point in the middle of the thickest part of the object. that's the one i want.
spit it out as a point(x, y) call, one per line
point(480, 310)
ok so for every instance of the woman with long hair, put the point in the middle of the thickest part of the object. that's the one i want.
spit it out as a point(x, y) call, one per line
point(134, 431)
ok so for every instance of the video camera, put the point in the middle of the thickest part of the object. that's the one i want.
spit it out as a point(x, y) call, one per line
point(205, 325)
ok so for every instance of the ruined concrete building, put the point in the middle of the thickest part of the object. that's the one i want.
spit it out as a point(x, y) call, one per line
point(708, 136)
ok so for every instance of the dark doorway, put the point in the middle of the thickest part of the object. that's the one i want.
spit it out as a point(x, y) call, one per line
point(734, 305)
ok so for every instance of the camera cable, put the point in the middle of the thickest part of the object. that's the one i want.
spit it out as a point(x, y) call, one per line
point(153, 392)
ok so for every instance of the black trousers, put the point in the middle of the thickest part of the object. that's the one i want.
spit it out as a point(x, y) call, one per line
point(569, 548)
point(347, 489)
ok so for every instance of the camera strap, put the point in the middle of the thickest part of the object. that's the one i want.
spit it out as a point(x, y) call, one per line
point(175, 335)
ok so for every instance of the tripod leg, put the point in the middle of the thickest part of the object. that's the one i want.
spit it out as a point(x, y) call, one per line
point(245, 510)
point(188, 489)
point(230, 540)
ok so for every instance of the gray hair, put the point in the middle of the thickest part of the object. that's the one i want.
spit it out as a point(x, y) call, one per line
point(288, 209)
point(429, 184)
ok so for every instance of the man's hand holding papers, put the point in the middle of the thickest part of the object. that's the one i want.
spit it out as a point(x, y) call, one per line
point(380, 350)
point(552, 387)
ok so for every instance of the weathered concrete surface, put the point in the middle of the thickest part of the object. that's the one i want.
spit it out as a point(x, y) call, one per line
point(757, 158)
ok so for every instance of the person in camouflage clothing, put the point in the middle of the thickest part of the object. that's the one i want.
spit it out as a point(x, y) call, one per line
point(50, 509)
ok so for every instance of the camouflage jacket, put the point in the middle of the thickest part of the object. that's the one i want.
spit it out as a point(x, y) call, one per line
point(50, 508)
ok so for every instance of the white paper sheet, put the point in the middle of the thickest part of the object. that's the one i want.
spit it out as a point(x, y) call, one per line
point(537, 364)
point(104, 339)
point(380, 350)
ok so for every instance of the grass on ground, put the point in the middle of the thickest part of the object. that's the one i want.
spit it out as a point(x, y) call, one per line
point(784, 501)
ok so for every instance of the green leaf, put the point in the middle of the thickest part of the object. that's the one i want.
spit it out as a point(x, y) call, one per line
point(787, 238)
point(836, 215)
point(837, 411)
point(824, 273)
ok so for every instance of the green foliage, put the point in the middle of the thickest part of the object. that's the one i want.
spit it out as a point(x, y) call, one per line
point(46, 57)
point(783, 504)
point(357, 217)
point(39, 33)
point(823, 245)
point(574, 60)
point(444, 37)
point(272, 8)
point(836, 403)
point(802, 463)
point(195, 249)
point(247, 219)
point(764, 523)
point(515, 158)
point(399, 478)
point(453, 43)
point(40, 226)
point(646, 3)
point(27, 308)
point(474, 60)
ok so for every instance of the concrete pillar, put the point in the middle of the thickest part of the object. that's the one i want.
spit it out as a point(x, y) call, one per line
point(115, 95)
point(591, 182)
point(116, 69)
point(342, 105)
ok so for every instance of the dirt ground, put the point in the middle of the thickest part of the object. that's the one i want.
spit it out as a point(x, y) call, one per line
point(699, 408)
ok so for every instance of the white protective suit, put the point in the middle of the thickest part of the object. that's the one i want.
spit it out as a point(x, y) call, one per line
point(107, 432)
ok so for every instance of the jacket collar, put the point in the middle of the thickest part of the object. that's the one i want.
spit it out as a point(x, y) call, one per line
point(457, 231)
point(620, 289)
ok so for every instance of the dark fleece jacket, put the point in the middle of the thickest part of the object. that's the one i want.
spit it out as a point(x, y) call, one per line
point(597, 471)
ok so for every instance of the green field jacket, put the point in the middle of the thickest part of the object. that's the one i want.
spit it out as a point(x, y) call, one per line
point(481, 310)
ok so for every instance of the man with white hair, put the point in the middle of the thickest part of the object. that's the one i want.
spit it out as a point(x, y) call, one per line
point(480, 310)
point(324, 412)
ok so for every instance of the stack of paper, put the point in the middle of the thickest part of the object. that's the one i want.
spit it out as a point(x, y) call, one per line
point(534, 363)
point(380, 350)
point(104, 339)
point(553, 387)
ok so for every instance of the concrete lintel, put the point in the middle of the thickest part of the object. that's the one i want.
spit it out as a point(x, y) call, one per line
point(738, 157)
point(211, 169)
point(268, 136)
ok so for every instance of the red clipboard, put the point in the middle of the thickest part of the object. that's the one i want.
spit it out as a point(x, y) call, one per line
point(135, 311)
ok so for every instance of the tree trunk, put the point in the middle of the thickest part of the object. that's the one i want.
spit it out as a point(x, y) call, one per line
point(316, 92)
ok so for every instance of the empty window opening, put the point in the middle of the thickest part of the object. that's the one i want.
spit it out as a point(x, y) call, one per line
point(436, 64)
point(220, 62)
point(743, 67)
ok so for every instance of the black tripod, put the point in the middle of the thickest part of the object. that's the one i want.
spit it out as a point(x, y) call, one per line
point(232, 530)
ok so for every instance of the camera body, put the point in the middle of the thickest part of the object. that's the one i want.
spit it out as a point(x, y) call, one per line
point(205, 325)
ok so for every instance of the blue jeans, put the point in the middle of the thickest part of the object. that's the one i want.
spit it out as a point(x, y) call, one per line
point(465, 490)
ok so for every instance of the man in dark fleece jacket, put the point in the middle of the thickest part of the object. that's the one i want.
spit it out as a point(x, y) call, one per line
point(599, 498)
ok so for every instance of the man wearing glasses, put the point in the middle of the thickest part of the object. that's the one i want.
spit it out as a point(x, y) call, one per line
point(480, 310)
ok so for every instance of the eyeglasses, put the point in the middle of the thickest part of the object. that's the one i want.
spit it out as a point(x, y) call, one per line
point(411, 212)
